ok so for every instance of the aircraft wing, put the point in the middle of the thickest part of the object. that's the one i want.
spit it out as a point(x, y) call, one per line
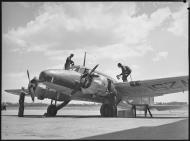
point(154, 87)
point(18, 91)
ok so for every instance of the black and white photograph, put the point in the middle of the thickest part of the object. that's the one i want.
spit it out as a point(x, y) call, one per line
point(95, 70)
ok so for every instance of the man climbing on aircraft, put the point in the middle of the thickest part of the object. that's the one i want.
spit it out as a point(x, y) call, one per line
point(126, 71)
point(69, 62)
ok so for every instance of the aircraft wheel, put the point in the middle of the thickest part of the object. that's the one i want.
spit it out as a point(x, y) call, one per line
point(102, 110)
point(108, 110)
point(51, 110)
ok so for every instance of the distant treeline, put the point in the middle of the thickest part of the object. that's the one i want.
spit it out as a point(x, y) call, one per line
point(8, 104)
point(26, 104)
point(171, 103)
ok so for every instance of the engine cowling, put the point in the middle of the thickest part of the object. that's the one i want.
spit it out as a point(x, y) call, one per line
point(43, 92)
point(87, 77)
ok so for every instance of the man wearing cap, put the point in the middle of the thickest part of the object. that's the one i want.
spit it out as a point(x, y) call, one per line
point(69, 62)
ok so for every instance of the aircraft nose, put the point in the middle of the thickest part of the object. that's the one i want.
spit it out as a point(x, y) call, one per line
point(45, 76)
point(60, 77)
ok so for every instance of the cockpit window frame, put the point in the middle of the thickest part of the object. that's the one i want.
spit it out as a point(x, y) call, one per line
point(79, 69)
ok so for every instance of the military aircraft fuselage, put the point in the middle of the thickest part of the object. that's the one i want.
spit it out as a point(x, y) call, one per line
point(58, 84)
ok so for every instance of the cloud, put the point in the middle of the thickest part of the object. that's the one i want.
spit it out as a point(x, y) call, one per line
point(159, 16)
point(26, 4)
point(108, 30)
point(179, 26)
point(160, 55)
point(14, 80)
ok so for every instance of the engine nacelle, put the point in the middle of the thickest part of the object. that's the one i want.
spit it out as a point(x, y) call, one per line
point(98, 86)
point(43, 92)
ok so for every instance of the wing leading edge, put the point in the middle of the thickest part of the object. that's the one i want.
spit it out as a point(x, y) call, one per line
point(154, 87)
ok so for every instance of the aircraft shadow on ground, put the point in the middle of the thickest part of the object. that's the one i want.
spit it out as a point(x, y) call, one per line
point(176, 130)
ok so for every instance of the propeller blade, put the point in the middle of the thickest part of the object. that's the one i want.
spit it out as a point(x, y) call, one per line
point(30, 87)
point(28, 75)
point(84, 59)
point(94, 69)
point(32, 93)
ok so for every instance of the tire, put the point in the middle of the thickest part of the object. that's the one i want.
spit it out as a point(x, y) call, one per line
point(51, 111)
point(102, 110)
point(108, 110)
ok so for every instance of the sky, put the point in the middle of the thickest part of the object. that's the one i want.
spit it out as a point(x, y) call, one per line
point(150, 37)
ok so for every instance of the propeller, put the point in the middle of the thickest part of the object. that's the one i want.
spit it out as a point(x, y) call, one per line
point(93, 69)
point(31, 85)
point(28, 75)
point(85, 80)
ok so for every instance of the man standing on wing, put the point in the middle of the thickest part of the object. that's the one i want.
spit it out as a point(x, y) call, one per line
point(126, 71)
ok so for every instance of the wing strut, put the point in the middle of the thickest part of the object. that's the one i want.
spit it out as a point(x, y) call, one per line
point(146, 108)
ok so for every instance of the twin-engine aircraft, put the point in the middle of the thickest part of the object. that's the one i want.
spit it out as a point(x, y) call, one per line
point(82, 83)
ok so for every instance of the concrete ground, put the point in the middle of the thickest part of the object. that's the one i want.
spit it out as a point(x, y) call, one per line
point(86, 123)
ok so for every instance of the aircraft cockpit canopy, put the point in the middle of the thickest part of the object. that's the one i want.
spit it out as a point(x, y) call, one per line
point(83, 69)
point(80, 69)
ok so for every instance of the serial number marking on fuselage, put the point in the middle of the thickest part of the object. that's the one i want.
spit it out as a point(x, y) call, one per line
point(163, 86)
point(168, 85)
point(185, 83)
point(135, 83)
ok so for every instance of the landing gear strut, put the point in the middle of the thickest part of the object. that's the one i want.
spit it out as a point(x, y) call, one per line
point(146, 108)
point(52, 109)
